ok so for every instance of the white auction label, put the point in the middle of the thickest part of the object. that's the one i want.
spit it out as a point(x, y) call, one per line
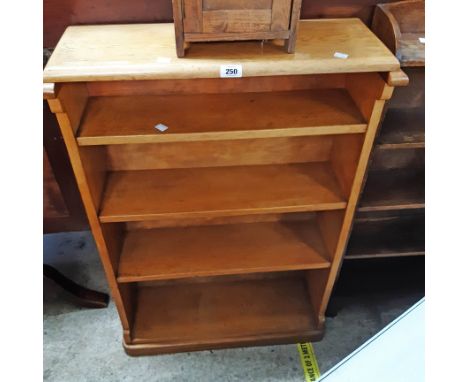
point(162, 128)
point(340, 55)
point(230, 71)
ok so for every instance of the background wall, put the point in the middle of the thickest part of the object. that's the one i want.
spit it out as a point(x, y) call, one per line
point(58, 14)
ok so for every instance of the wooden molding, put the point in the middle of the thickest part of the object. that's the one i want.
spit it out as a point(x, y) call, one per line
point(48, 90)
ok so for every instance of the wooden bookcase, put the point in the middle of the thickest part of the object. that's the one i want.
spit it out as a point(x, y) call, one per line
point(228, 228)
point(390, 216)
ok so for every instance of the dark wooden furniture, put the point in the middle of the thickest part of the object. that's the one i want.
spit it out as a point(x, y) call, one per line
point(234, 20)
point(228, 228)
point(390, 215)
point(62, 207)
point(63, 212)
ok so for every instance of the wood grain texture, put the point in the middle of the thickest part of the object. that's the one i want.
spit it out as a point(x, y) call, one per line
point(94, 53)
point(400, 25)
point(365, 88)
point(344, 159)
point(70, 102)
point(242, 36)
point(192, 15)
point(411, 51)
point(177, 11)
point(222, 220)
point(317, 286)
point(405, 158)
point(219, 153)
point(221, 20)
point(385, 26)
point(280, 15)
point(73, 103)
point(53, 202)
point(402, 128)
point(197, 86)
point(59, 14)
point(329, 223)
point(397, 78)
point(393, 189)
point(236, 21)
point(290, 43)
point(145, 195)
point(171, 253)
point(133, 119)
point(222, 314)
point(410, 15)
point(73, 217)
point(93, 161)
point(390, 237)
point(413, 95)
point(210, 5)
point(371, 100)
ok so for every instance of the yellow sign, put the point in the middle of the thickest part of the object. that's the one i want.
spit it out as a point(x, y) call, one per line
point(309, 362)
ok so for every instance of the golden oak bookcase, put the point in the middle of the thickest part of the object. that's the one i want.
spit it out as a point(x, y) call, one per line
point(228, 228)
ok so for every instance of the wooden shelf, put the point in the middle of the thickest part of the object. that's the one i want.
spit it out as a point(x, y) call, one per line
point(391, 237)
point(411, 51)
point(402, 128)
point(400, 25)
point(169, 253)
point(132, 119)
point(219, 191)
point(222, 314)
point(393, 189)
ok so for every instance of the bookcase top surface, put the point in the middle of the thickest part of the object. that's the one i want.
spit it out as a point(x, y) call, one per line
point(147, 51)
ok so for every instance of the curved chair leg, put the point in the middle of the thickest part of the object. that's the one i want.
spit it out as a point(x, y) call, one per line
point(87, 297)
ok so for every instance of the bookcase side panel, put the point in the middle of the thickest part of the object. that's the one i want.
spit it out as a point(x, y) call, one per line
point(68, 107)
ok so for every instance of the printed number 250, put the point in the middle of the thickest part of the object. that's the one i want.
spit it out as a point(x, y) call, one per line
point(232, 70)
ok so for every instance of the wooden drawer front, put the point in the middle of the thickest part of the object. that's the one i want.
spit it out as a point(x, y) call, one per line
point(236, 16)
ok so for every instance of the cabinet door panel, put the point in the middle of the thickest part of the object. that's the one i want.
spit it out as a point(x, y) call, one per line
point(227, 21)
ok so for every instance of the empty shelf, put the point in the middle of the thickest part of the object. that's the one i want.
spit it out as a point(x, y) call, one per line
point(219, 191)
point(169, 253)
point(391, 237)
point(223, 313)
point(132, 119)
point(393, 189)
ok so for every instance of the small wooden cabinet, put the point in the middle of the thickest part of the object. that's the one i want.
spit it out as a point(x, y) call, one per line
point(231, 20)
point(228, 227)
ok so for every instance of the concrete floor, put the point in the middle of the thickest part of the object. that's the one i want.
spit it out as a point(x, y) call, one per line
point(83, 344)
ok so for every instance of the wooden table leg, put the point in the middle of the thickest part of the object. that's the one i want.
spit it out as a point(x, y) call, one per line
point(86, 297)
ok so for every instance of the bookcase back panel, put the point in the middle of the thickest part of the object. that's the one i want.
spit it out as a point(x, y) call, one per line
point(220, 220)
point(216, 85)
point(219, 153)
